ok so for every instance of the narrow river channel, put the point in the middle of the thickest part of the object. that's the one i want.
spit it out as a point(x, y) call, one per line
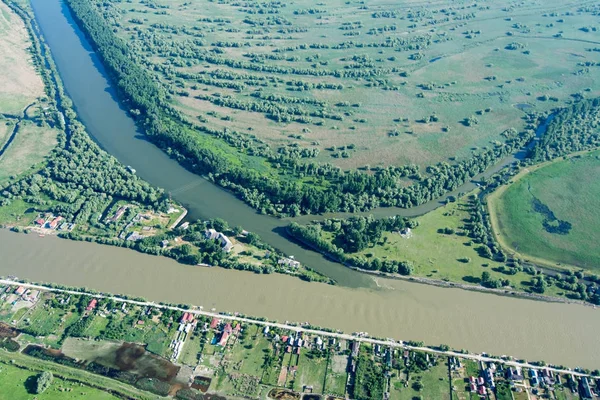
point(479, 322)
point(558, 333)
point(95, 100)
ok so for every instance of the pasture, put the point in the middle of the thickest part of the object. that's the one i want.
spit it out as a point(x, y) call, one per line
point(552, 213)
point(358, 83)
point(20, 84)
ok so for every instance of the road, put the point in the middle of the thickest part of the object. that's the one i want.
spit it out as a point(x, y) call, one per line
point(345, 336)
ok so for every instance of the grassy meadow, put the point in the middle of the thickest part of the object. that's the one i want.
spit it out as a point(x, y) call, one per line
point(448, 257)
point(570, 189)
point(376, 83)
point(20, 84)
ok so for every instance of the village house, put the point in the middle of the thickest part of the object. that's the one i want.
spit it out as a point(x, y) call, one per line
point(289, 262)
point(54, 223)
point(118, 214)
point(226, 244)
point(91, 305)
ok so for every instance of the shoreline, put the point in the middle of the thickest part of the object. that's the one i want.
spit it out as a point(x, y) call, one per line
point(446, 284)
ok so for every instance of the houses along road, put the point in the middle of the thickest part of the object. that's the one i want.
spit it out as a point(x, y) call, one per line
point(345, 336)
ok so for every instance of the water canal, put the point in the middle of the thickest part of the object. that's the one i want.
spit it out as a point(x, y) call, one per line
point(555, 332)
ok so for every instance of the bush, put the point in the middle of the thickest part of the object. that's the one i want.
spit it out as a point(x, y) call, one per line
point(43, 382)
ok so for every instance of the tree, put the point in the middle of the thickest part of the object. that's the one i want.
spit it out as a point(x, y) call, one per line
point(418, 386)
point(485, 277)
point(43, 382)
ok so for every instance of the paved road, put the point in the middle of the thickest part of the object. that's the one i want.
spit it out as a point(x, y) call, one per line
point(390, 343)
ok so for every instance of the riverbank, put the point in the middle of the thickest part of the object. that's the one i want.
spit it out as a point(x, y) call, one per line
point(447, 284)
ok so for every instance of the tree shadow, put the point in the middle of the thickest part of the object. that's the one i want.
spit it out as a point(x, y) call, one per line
point(471, 279)
point(30, 384)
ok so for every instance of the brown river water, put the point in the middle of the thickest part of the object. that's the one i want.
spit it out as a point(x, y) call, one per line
point(557, 333)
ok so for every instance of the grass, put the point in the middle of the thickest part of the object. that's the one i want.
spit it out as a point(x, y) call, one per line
point(336, 376)
point(96, 327)
point(570, 189)
point(191, 350)
point(29, 147)
point(442, 256)
point(21, 84)
point(435, 381)
point(16, 384)
point(457, 65)
point(47, 320)
point(471, 368)
point(17, 212)
point(248, 357)
point(19, 367)
point(311, 372)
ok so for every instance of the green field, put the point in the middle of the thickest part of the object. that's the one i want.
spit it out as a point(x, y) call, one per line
point(17, 369)
point(354, 79)
point(16, 385)
point(435, 380)
point(311, 372)
point(531, 211)
point(29, 148)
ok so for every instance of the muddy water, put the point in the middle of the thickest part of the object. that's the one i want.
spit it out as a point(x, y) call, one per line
point(558, 333)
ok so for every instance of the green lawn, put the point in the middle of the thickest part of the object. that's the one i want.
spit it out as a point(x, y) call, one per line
point(311, 372)
point(421, 65)
point(44, 320)
point(442, 256)
point(436, 384)
point(191, 350)
point(16, 368)
point(248, 357)
point(16, 384)
point(29, 148)
point(336, 376)
point(96, 327)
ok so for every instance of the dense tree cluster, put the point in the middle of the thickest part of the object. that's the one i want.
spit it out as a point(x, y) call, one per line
point(369, 382)
point(350, 236)
point(571, 129)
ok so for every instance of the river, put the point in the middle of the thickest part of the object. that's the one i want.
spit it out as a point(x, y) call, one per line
point(559, 333)
point(463, 319)
point(94, 98)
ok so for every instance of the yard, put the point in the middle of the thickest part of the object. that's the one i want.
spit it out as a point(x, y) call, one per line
point(337, 376)
point(311, 372)
point(435, 384)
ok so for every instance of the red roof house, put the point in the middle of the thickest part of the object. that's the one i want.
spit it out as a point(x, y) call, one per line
point(92, 305)
point(224, 338)
point(228, 329)
point(214, 323)
point(54, 223)
point(40, 222)
point(20, 290)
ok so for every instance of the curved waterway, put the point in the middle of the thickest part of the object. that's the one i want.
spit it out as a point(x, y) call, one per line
point(557, 333)
point(86, 82)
